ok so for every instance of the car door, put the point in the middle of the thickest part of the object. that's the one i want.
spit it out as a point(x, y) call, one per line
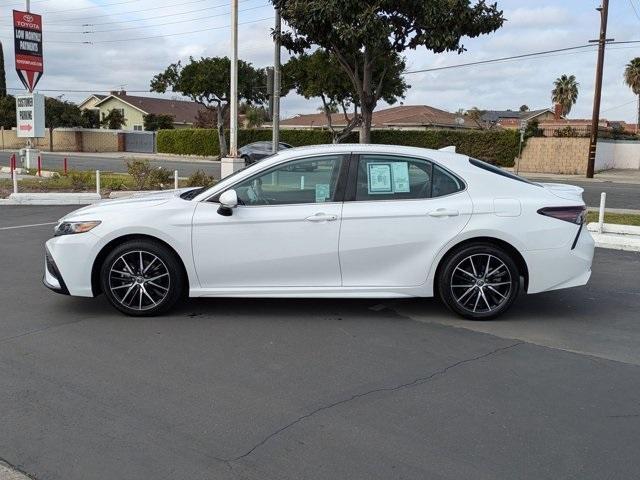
point(399, 212)
point(283, 233)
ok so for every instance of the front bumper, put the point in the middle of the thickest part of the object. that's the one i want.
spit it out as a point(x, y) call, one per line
point(52, 278)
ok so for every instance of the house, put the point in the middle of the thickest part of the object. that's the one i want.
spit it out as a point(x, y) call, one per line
point(511, 119)
point(134, 108)
point(403, 117)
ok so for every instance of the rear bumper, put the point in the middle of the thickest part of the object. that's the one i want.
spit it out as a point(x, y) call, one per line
point(565, 267)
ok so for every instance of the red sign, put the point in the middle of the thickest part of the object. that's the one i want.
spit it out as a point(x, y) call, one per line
point(27, 33)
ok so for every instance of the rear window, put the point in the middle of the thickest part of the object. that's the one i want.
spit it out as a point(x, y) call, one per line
point(499, 171)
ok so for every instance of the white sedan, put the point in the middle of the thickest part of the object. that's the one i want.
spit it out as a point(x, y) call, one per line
point(368, 221)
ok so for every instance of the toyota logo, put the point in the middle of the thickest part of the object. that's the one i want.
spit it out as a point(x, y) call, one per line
point(28, 18)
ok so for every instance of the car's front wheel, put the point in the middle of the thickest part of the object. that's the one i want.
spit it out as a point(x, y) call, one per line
point(479, 281)
point(142, 278)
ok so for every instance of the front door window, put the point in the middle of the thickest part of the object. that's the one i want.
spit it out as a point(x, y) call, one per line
point(311, 180)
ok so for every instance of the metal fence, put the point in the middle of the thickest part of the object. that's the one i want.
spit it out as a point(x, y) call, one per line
point(142, 142)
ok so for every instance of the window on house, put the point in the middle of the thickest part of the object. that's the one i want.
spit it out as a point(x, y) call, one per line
point(137, 128)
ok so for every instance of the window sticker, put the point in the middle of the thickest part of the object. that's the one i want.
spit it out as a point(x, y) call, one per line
point(322, 192)
point(401, 177)
point(379, 178)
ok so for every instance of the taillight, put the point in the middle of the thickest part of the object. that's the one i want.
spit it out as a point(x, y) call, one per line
point(575, 215)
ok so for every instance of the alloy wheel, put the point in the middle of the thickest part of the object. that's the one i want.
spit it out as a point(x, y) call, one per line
point(139, 280)
point(481, 283)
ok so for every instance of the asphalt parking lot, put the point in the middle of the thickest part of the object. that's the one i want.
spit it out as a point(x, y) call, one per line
point(316, 389)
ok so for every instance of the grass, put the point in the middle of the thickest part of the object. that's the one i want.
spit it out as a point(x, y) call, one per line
point(74, 183)
point(617, 218)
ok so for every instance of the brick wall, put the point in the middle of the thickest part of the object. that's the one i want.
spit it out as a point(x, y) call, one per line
point(69, 140)
point(555, 155)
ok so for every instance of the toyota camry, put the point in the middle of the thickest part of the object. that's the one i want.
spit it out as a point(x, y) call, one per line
point(367, 221)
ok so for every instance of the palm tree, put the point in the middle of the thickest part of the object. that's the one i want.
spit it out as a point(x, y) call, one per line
point(565, 92)
point(632, 79)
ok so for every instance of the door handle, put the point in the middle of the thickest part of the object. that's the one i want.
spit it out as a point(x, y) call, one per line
point(322, 217)
point(443, 212)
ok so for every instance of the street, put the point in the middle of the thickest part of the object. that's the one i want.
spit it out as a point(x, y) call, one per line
point(316, 389)
point(619, 195)
point(107, 163)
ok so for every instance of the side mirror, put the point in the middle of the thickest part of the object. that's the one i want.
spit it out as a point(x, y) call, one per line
point(228, 201)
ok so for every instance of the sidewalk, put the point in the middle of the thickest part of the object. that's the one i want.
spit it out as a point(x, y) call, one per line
point(614, 176)
point(131, 156)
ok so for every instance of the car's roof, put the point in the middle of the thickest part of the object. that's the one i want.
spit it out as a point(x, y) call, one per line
point(342, 148)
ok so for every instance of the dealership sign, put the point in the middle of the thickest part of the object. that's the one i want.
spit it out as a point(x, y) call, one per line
point(27, 32)
point(30, 115)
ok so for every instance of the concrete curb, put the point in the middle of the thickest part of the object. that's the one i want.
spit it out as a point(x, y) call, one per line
point(8, 473)
point(52, 199)
point(616, 237)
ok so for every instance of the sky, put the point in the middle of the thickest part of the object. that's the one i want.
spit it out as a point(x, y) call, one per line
point(129, 41)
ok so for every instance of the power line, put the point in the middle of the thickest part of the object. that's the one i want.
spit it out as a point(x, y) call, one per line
point(116, 40)
point(66, 22)
point(515, 57)
point(91, 42)
point(55, 12)
point(635, 10)
point(501, 59)
point(619, 106)
point(153, 25)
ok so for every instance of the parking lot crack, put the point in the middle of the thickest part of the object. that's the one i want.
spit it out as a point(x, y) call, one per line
point(393, 388)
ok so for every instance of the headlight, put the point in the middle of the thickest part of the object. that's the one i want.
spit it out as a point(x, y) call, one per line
point(69, 228)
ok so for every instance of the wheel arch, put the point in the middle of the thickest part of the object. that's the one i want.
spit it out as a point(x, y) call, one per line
point(102, 255)
point(508, 247)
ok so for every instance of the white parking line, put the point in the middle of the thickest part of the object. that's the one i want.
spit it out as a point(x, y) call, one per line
point(27, 226)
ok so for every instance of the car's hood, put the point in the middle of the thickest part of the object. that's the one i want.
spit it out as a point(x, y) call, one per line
point(137, 201)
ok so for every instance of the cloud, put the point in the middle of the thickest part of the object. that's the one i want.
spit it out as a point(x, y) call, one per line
point(531, 26)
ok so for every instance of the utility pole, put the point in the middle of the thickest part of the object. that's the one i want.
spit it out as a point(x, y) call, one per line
point(595, 119)
point(28, 5)
point(232, 163)
point(275, 123)
point(233, 141)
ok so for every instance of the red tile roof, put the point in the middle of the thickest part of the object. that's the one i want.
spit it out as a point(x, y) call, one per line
point(401, 116)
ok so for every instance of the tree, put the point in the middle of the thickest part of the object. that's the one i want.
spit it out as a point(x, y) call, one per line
point(153, 122)
point(361, 34)
point(205, 119)
point(59, 114)
point(113, 120)
point(565, 93)
point(208, 82)
point(320, 75)
point(475, 114)
point(8, 111)
point(632, 79)
point(524, 108)
point(90, 118)
point(255, 116)
point(3, 75)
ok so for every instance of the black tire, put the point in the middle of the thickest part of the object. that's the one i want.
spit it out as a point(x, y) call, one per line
point(160, 286)
point(475, 290)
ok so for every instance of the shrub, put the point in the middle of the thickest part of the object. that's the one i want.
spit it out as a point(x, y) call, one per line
point(495, 146)
point(200, 179)
point(159, 178)
point(80, 180)
point(567, 131)
point(140, 171)
point(113, 183)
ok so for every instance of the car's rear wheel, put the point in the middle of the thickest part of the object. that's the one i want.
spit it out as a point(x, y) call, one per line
point(142, 278)
point(479, 281)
